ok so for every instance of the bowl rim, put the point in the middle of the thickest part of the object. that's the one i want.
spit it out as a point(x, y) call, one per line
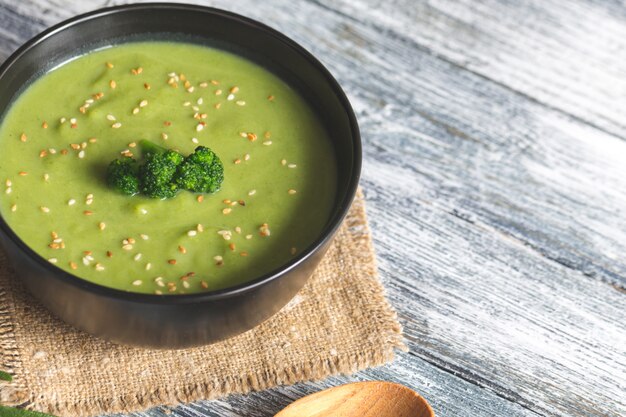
point(341, 209)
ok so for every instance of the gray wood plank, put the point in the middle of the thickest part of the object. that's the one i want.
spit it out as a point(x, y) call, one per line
point(569, 55)
point(498, 223)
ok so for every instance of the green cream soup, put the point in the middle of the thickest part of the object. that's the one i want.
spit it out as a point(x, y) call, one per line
point(59, 136)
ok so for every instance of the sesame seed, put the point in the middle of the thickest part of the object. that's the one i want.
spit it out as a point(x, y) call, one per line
point(227, 210)
point(246, 157)
point(192, 233)
point(238, 229)
point(186, 284)
point(204, 285)
point(190, 89)
point(214, 82)
point(240, 103)
point(243, 134)
point(248, 237)
point(109, 65)
point(99, 267)
point(131, 240)
point(158, 292)
point(148, 266)
point(8, 190)
point(199, 127)
point(137, 282)
point(62, 120)
point(244, 253)
point(44, 125)
point(116, 125)
point(251, 137)
point(23, 137)
point(232, 246)
point(143, 211)
point(93, 140)
point(52, 151)
point(22, 173)
point(234, 90)
point(187, 104)
point(218, 92)
point(200, 101)
point(71, 202)
point(109, 254)
point(164, 136)
point(8, 183)
point(112, 84)
point(111, 117)
point(86, 261)
point(43, 153)
point(194, 140)
point(159, 281)
point(137, 257)
point(73, 120)
point(73, 265)
point(218, 105)
point(182, 249)
point(87, 212)
point(200, 228)
point(200, 199)
point(252, 192)
point(230, 97)
point(171, 261)
point(218, 258)
point(271, 98)
point(136, 110)
point(203, 84)
point(46, 177)
point(291, 165)
point(293, 251)
point(267, 135)
point(291, 191)
point(44, 209)
point(14, 208)
point(127, 247)
point(144, 237)
point(267, 143)
point(143, 103)
point(102, 225)
point(237, 161)
point(52, 260)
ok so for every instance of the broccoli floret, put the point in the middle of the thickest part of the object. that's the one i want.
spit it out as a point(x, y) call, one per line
point(122, 176)
point(157, 172)
point(201, 172)
point(163, 172)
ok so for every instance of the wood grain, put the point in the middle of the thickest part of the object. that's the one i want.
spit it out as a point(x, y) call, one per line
point(361, 399)
point(494, 174)
point(567, 55)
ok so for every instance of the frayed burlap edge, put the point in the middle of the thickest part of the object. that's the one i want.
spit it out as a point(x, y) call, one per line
point(17, 393)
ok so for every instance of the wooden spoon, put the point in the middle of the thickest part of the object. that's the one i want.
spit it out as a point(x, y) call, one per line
point(361, 399)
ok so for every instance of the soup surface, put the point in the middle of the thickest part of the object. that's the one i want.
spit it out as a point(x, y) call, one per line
point(59, 136)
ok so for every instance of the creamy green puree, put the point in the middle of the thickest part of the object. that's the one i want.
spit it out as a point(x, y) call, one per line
point(61, 133)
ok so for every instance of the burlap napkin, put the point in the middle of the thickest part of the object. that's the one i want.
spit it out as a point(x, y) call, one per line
point(339, 323)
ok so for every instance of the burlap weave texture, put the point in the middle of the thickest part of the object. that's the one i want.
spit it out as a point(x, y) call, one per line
point(339, 323)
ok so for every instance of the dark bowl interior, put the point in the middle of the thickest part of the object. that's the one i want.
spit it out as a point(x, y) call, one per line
point(194, 319)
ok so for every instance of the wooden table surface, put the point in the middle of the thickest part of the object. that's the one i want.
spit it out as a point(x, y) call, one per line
point(495, 175)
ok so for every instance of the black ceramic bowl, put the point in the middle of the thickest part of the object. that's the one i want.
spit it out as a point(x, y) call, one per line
point(175, 321)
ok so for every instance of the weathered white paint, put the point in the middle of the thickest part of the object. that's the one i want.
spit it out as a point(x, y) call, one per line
point(499, 218)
